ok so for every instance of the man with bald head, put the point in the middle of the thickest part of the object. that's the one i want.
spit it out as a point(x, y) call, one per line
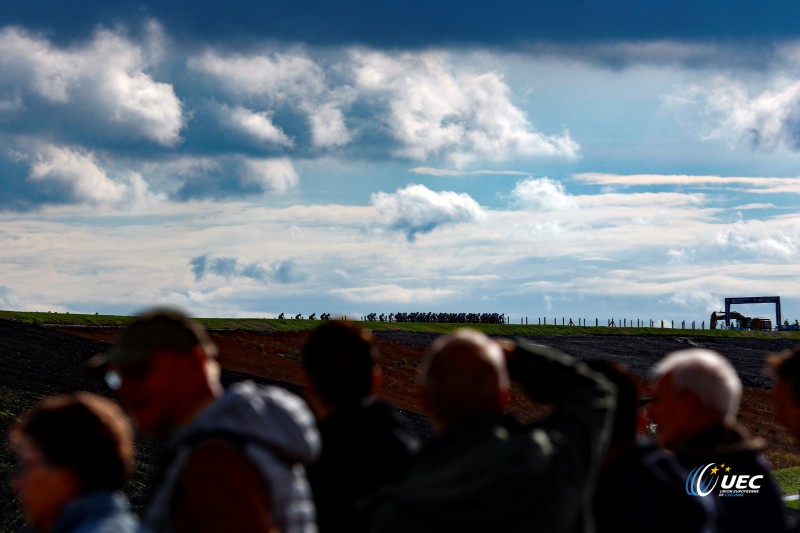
point(485, 472)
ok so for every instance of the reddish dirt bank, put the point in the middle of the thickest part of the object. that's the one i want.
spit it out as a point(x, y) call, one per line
point(275, 356)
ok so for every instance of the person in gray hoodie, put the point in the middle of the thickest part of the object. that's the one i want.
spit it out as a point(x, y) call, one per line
point(232, 460)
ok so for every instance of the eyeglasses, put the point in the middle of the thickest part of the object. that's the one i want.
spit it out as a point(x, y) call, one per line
point(136, 372)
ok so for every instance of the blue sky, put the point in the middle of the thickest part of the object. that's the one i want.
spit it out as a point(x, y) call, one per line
point(584, 159)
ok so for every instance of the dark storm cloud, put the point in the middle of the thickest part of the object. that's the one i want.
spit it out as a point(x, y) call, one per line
point(422, 23)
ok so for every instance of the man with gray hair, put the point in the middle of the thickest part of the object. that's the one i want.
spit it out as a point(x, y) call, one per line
point(485, 472)
point(695, 400)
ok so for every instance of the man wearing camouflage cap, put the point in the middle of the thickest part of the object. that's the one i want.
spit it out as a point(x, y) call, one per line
point(232, 460)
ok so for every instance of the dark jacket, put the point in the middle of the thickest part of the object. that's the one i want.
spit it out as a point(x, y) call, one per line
point(734, 447)
point(365, 446)
point(488, 474)
point(98, 512)
point(644, 489)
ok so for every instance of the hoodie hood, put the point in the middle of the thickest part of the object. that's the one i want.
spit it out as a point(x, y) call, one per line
point(267, 416)
point(276, 431)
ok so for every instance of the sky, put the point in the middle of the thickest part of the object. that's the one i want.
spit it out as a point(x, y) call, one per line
point(561, 160)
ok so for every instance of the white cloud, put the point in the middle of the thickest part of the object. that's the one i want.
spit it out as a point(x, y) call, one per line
point(254, 124)
point(283, 79)
point(106, 80)
point(542, 194)
point(8, 299)
point(761, 239)
point(433, 111)
point(391, 294)
point(278, 76)
point(754, 184)
point(696, 300)
point(727, 111)
point(450, 172)
point(80, 174)
point(276, 174)
point(328, 128)
point(417, 209)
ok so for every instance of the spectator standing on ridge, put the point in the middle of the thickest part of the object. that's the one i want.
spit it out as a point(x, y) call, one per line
point(785, 368)
point(786, 390)
point(696, 395)
point(365, 443)
point(482, 472)
point(233, 460)
point(640, 487)
point(75, 453)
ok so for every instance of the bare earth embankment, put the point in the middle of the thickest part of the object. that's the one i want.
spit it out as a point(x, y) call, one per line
point(41, 361)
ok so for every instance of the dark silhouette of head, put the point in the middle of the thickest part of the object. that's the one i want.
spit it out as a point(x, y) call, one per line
point(340, 361)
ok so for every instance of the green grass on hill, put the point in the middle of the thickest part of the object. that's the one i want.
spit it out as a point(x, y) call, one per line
point(272, 324)
point(789, 480)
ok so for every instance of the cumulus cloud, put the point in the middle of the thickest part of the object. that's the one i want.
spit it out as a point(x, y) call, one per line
point(729, 112)
point(761, 240)
point(542, 194)
point(229, 176)
point(103, 84)
point(276, 174)
point(230, 267)
point(433, 111)
point(257, 125)
point(416, 209)
point(289, 79)
point(75, 175)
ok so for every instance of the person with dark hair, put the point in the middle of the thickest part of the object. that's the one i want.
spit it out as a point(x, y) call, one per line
point(233, 460)
point(785, 370)
point(485, 472)
point(640, 487)
point(786, 390)
point(365, 443)
point(75, 453)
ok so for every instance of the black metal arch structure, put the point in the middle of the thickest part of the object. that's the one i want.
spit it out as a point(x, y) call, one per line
point(753, 300)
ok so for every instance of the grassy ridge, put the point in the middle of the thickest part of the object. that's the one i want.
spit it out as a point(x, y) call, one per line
point(273, 324)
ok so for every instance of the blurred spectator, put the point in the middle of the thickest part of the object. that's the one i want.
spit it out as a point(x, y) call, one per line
point(75, 452)
point(785, 368)
point(365, 443)
point(232, 461)
point(640, 487)
point(483, 472)
point(786, 390)
point(696, 397)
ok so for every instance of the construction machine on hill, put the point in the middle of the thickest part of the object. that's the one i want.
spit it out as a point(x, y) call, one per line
point(718, 316)
point(744, 322)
